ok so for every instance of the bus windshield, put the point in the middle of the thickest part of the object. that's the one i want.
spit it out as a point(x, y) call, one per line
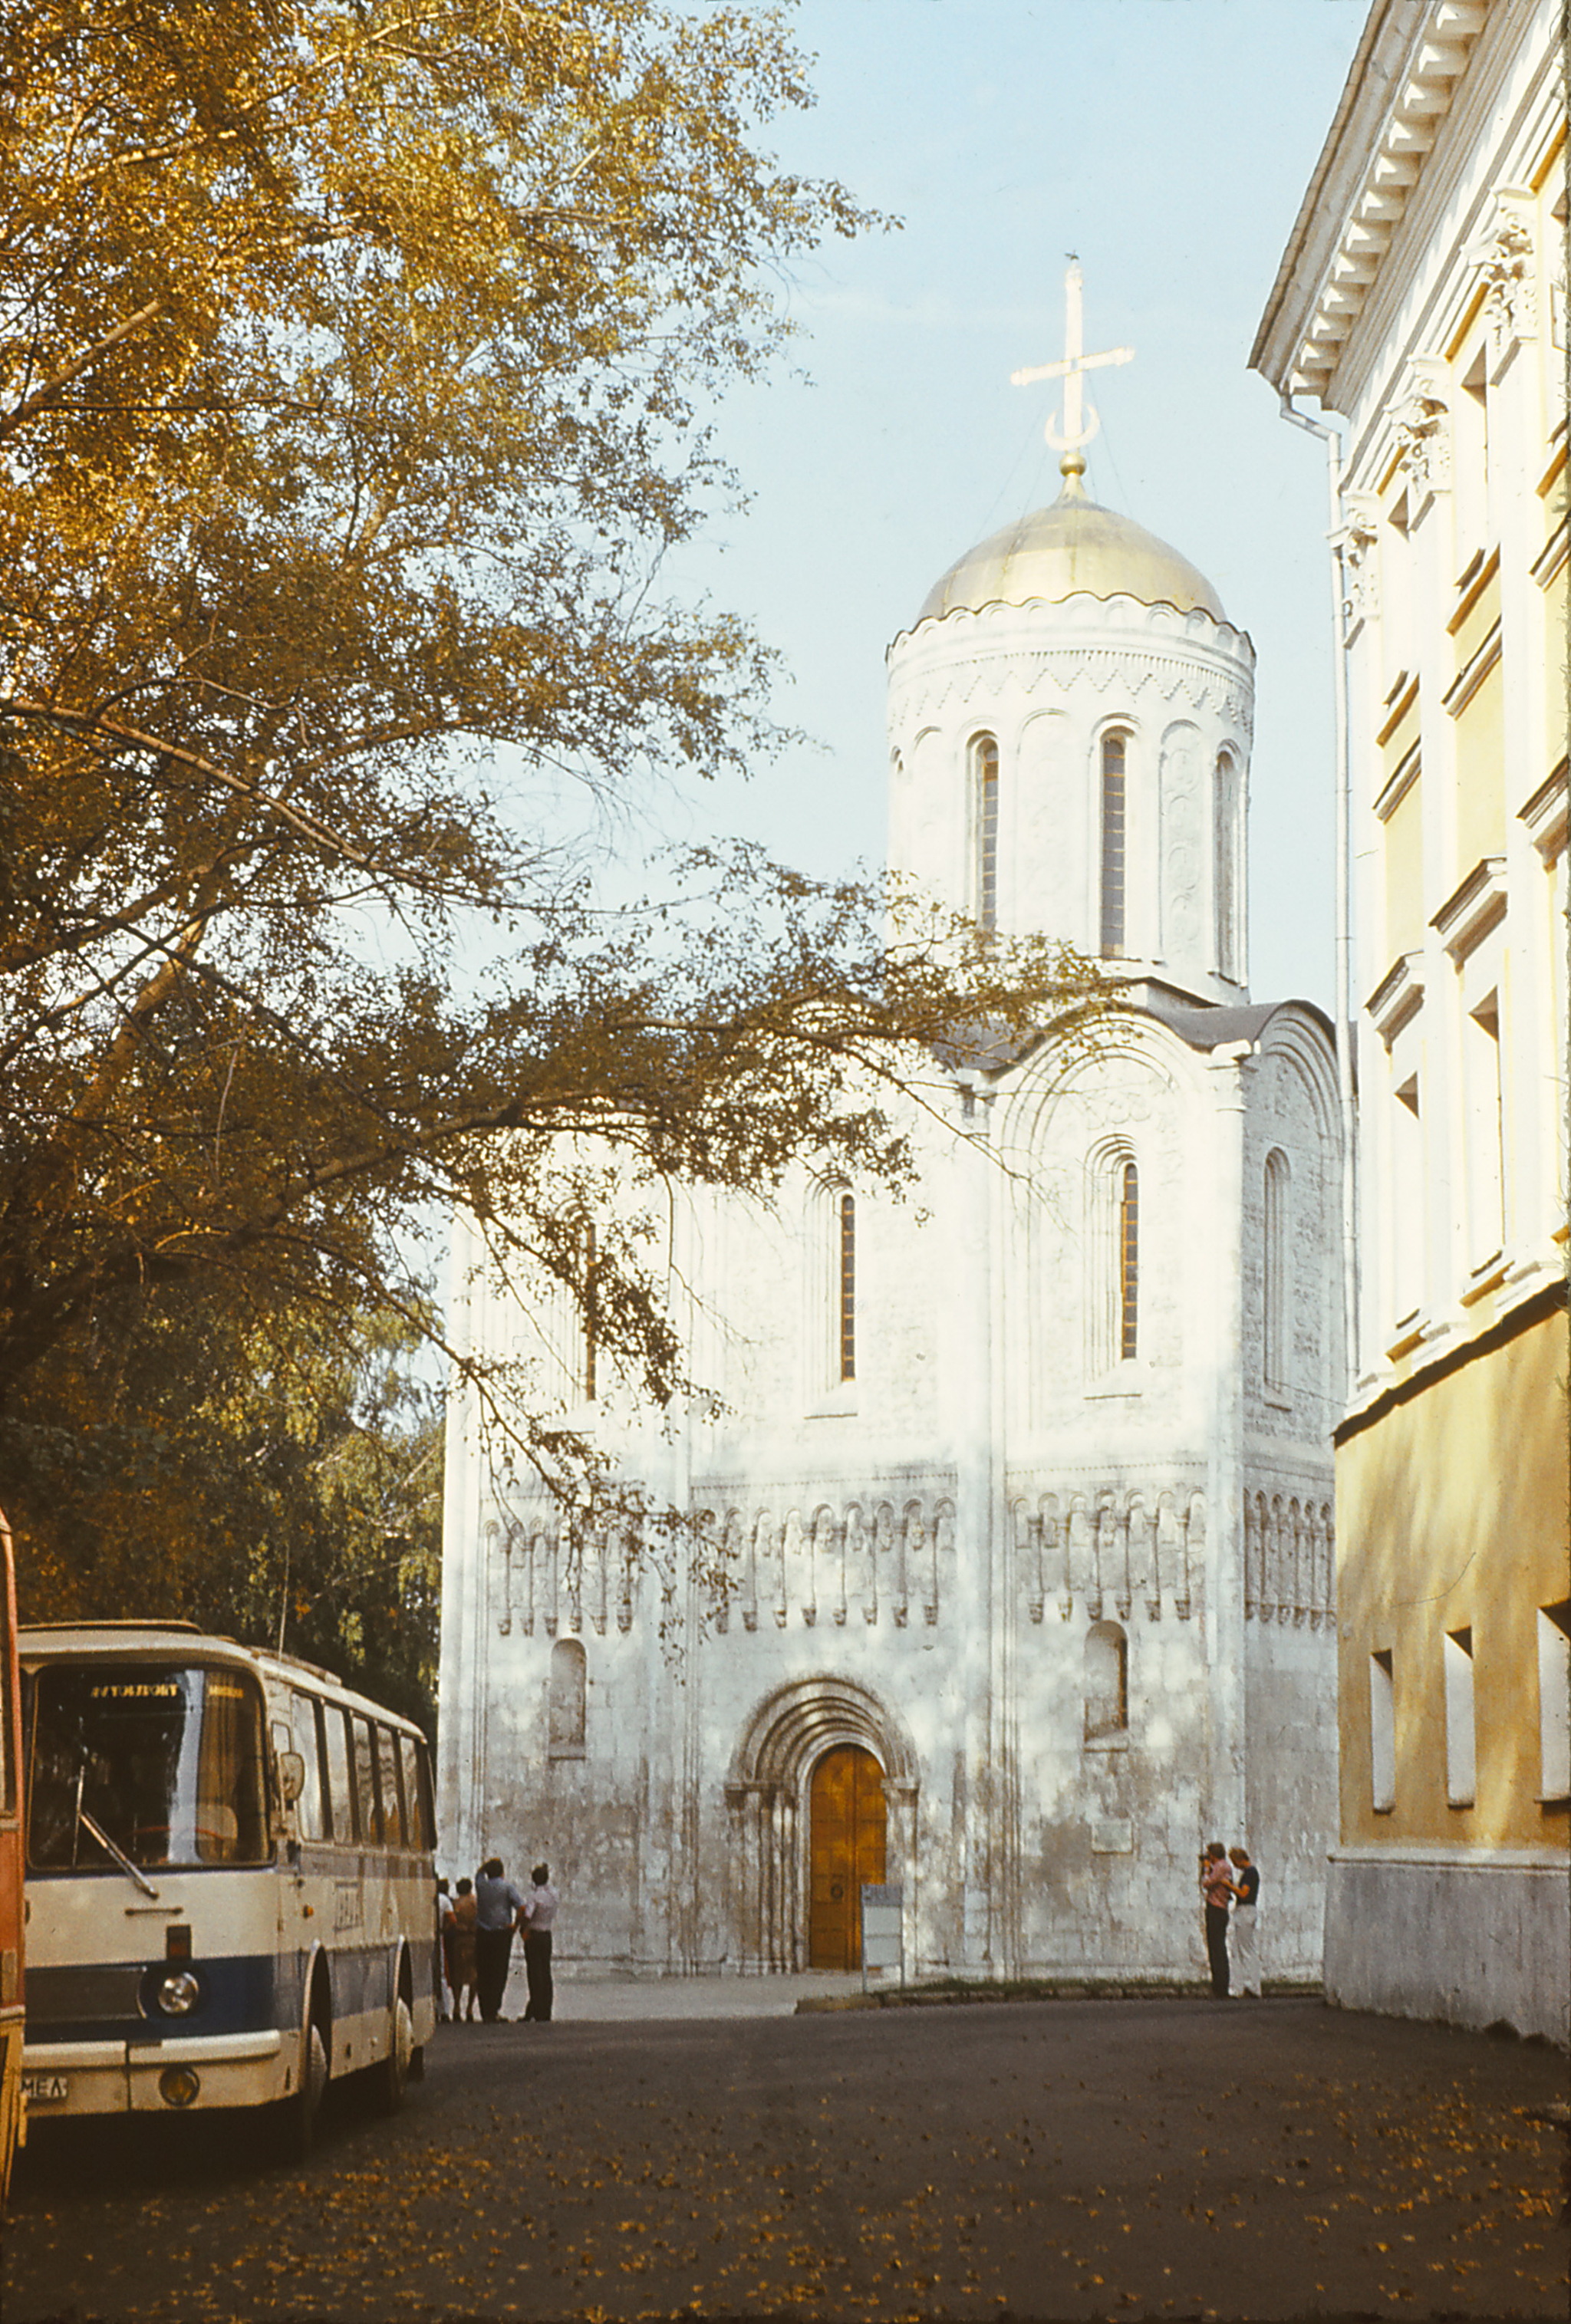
point(145, 1763)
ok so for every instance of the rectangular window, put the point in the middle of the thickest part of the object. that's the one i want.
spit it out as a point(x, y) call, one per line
point(1555, 1701)
point(309, 1821)
point(1461, 1733)
point(1480, 792)
point(368, 1808)
point(1404, 871)
point(1407, 1196)
point(416, 1792)
point(1382, 1734)
point(340, 1795)
point(1483, 1094)
point(387, 1775)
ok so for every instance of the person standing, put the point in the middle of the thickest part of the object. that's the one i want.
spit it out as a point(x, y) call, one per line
point(1216, 1888)
point(442, 1970)
point(461, 1963)
point(1245, 1890)
point(536, 1920)
point(497, 1906)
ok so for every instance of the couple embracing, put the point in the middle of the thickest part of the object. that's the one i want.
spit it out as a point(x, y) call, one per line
point(1228, 1879)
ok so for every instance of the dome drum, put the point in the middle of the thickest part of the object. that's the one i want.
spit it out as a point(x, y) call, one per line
point(1115, 723)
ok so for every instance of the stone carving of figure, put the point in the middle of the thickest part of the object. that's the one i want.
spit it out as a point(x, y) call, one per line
point(1423, 440)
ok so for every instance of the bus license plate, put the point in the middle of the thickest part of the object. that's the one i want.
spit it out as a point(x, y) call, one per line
point(36, 2088)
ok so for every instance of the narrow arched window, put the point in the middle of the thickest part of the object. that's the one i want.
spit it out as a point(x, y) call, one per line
point(1128, 1262)
point(985, 826)
point(1276, 1322)
point(569, 1692)
point(1224, 881)
point(590, 1379)
point(1107, 1681)
point(846, 1280)
point(1114, 934)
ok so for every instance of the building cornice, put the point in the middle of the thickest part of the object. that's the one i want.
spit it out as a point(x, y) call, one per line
point(1538, 1296)
point(1545, 816)
point(1468, 914)
point(1410, 62)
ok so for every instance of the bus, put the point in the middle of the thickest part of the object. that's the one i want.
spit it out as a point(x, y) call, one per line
point(229, 1880)
point(11, 1903)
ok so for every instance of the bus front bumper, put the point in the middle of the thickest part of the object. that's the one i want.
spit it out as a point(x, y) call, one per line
point(72, 2078)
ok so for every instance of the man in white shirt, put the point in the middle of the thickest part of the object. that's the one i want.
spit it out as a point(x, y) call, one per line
point(536, 1919)
point(499, 1910)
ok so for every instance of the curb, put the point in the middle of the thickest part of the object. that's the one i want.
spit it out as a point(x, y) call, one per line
point(969, 1996)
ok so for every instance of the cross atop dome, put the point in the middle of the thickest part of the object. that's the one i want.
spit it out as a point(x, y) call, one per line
point(1081, 420)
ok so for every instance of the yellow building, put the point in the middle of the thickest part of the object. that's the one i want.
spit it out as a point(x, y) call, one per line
point(1422, 300)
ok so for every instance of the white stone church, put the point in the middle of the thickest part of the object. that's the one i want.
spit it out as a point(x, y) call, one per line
point(1024, 1478)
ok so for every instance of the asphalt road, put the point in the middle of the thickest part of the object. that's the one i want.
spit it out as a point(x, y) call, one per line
point(1069, 2159)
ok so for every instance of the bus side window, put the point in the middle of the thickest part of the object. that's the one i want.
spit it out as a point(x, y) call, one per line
point(309, 1822)
point(416, 1792)
point(340, 1798)
point(393, 1825)
point(368, 1827)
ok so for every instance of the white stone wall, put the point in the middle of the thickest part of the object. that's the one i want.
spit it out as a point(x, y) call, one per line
point(1469, 1937)
point(873, 1542)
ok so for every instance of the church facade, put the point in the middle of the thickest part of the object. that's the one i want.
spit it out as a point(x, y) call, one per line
point(1022, 1487)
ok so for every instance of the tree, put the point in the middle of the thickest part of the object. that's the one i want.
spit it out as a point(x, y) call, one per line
point(283, 1488)
point(351, 356)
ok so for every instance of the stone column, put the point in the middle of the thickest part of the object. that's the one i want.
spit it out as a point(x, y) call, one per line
point(901, 1859)
point(969, 1621)
point(1226, 1797)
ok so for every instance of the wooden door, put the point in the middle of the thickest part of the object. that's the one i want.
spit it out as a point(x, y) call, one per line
point(845, 1846)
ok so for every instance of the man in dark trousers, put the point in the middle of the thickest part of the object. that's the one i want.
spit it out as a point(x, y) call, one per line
point(497, 1908)
point(1216, 1888)
point(536, 1920)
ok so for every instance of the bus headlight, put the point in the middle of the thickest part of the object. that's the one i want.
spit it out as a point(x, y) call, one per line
point(178, 2086)
point(177, 1995)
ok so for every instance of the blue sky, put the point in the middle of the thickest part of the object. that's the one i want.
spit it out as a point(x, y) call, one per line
point(1170, 144)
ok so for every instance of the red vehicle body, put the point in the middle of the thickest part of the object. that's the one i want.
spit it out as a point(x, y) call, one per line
point(10, 1899)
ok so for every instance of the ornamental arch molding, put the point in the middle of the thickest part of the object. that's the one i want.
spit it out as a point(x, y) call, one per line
point(766, 1798)
point(795, 1726)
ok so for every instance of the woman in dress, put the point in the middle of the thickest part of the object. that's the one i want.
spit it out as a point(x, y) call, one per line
point(462, 1971)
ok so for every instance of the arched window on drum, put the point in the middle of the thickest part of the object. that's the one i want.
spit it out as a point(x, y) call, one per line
point(1113, 851)
point(1225, 834)
point(984, 832)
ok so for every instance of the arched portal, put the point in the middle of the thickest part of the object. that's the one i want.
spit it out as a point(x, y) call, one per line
point(817, 1753)
point(847, 1824)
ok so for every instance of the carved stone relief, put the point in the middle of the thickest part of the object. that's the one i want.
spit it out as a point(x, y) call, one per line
point(1505, 259)
point(1360, 544)
point(1110, 1553)
point(1423, 428)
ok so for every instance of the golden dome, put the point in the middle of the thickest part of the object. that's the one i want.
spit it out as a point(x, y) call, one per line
point(1073, 548)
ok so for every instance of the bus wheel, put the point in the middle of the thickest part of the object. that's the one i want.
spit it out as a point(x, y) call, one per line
point(298, 2114)
point(393, 2073)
